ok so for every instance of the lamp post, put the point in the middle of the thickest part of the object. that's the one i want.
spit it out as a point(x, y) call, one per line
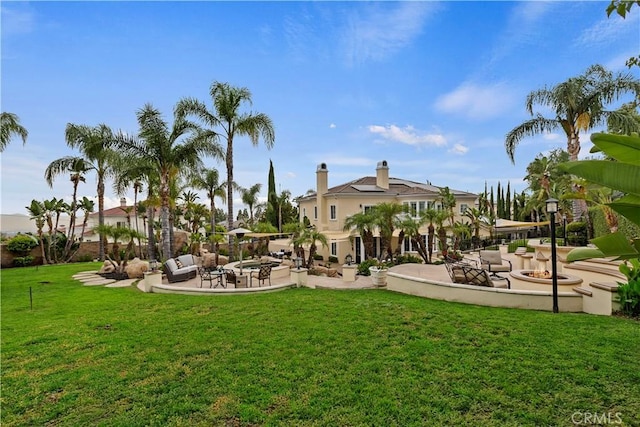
point(348, 259)
point(298, 262)
point(552, 209)
point(564, 229)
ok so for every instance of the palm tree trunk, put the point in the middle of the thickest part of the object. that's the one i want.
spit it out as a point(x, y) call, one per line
point(101, 218)
point(164, 217)
point(229, 162)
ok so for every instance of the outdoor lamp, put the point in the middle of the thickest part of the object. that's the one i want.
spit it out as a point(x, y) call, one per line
point(298, 262)
point(153, 264)
point(552, 208)
point(348, 259)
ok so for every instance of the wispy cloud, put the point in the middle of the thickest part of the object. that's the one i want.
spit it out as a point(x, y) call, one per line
point(610, 30)
point(375, 32)
point(407, 135)
point(17, 19)
point(477, 102)
point(459, 149)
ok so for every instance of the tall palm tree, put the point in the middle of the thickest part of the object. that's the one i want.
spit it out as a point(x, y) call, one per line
point(209, 181)
point(448, 201)
point(94, 144)
point(250, 198)
point(579, 105)
point(77, 167)
point(363, 223)
point(430, 215)
point(167, 148)
point(386, 219)
point(227, 117)
point(310, 236)
point(9, 126)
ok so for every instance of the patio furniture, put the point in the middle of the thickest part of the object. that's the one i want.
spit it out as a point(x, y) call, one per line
point(214, 276)
point(230, 277)
point(492, 261)
point(263, 273)
point(480, 277)
point(180, 269)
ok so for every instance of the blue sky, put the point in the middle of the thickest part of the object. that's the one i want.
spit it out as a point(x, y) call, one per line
point(431, 87)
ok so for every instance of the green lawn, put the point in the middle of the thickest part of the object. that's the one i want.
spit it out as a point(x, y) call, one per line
point(118, 357)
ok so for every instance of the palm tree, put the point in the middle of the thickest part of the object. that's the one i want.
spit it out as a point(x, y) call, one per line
point(94, 144)
point(250, 198)
point(430, 215)
point(38, 214)
point(209, 181)
point(579, 104)
point(117, 234)
point(310, 236)
point(226, 116)
point(363, 223)
point(10, 125)
point(448, 201)
point(77, 167)
point(168, 149)
point(475, 217)
point(386, 219)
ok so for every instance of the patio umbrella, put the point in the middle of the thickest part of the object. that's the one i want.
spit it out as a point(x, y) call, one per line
point(239, 233)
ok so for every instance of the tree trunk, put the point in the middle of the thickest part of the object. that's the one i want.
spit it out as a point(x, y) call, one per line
point(229, 162)
point(101, 247)
point(164, 217)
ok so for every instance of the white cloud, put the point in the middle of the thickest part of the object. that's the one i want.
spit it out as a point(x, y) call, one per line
point(477, 102)
point(376, 33)
point(332, 126)
point(407, 135)
point(459, 149)
point(609, 30)
point(17, 19)
point(551, 136)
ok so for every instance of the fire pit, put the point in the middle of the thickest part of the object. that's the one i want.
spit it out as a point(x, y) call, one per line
point(544, 277)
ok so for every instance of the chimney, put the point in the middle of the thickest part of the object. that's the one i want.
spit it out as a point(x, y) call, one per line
point(123, 202)
point(322, 186)
point(382, 175)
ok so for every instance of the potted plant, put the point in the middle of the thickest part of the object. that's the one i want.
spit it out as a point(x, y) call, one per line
point(379, 273)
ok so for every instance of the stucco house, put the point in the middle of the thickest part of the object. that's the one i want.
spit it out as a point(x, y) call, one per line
point(123, 215)
point(328, 207)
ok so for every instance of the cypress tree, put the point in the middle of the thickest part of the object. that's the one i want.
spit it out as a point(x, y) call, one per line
point(499, 201)
point(507, 203)
point(272, 208)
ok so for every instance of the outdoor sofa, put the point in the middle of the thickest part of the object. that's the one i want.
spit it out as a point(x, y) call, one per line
point(181, 268)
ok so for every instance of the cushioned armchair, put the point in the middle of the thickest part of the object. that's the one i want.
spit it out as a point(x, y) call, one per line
point(493, 262)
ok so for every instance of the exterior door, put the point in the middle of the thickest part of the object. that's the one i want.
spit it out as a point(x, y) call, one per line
point(358, 244)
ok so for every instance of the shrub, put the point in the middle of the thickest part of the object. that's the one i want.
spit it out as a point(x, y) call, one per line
point(22, 244)
point(363, 267)
point(333, 259)
point(23, 261)
point(577, 233)
point(318, 257)
point(515, 244)
point(629, 293)
point(408, 259)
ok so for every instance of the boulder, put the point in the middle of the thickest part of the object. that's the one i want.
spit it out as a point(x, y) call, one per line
point(107, 267)
point(319, 270)
point(332, 272)
point(208, 260)
point(288, 263)
point(135, 268)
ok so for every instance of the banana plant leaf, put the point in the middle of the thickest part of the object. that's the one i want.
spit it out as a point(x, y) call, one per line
point(624, 177)
point(625, 149)
point(629, 207)
point(611, 245)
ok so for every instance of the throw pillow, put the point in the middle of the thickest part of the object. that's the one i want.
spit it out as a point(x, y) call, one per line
point(179, 264)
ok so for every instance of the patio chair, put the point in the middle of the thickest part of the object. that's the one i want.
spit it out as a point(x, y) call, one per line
point(211, 275)
point(480, 277)
point(492, 261)
point(230, 276)
point(262, 274)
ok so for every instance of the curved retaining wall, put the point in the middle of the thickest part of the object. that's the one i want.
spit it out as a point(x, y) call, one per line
point(493, 297)
point(169, 289)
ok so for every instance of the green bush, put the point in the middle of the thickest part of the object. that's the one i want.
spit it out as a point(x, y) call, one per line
point(333, 259)
point(577, 233)
point(23, 261)
point(515, 244)
point(363, 267)
point(318, 257)
point(408, 259)
point(22, 244)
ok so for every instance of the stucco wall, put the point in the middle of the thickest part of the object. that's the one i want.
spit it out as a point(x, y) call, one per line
point(493, 297)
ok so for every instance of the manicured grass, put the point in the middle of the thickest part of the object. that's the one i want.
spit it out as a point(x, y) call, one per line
point(119, 357)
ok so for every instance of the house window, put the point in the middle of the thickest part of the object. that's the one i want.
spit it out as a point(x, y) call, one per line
point(315, 212)
point(463, 207)
point(334, 249)
point(367, 209)
point(304, 212)
point(121, 224)
point(332, 212)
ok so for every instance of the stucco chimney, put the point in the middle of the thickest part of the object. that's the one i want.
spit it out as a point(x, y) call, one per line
point(123, 202)
point(382, 175)
point(322, 185)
